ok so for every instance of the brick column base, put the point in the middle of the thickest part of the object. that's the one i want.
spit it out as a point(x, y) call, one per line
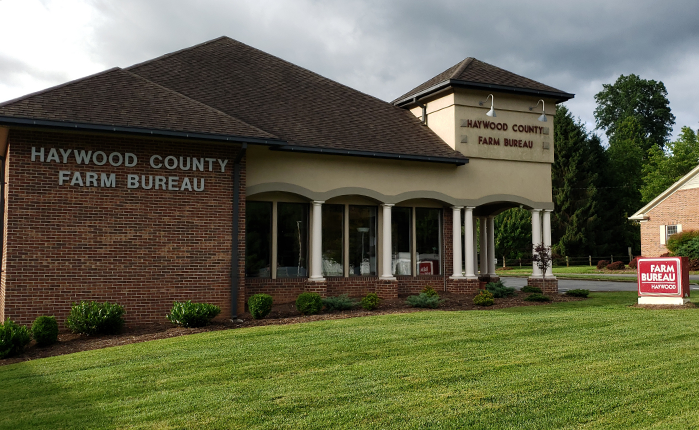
point(316, 287)
point(387, 289)
point(463, 286)
point(548, 286)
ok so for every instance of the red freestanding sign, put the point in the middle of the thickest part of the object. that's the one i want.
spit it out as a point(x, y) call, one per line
point(660, 278)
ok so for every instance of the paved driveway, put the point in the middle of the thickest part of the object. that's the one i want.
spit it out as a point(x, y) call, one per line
point(572, 284)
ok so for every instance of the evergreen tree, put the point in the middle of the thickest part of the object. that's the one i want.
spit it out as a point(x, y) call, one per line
point(574, 178)
point(664, 168)
point(513, 234)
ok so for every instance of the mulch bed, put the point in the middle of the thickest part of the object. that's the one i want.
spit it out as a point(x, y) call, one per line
point(69, 343)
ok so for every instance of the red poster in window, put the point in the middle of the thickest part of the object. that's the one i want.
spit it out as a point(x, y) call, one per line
point(425, 268)
point(663, 276)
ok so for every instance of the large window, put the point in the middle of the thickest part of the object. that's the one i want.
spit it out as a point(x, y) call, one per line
point(333, 244)
point(292, 240)
point(362, 240)
point(428, 237)
point(258, 238)
point(401, 228)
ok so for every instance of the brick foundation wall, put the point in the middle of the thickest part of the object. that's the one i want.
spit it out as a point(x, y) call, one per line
point(548, 286)
point(463, 286)
point(682, 207)
point(141, 248)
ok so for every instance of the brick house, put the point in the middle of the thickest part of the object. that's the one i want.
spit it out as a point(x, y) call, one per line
point(220, 171)
point(674, 210)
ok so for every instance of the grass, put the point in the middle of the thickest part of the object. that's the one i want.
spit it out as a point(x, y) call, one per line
point(592, 364)
point(589, 273)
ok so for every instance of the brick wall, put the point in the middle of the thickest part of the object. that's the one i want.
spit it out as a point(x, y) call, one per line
point(682, 207)
point(141, 248)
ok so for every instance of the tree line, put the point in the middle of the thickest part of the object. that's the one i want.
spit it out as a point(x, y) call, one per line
point(596, 187)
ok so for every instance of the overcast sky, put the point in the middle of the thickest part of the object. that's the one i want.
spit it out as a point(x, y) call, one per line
point(383, 48)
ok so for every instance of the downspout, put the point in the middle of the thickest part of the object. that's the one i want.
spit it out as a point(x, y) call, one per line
point(236, 231)
point(424, 110)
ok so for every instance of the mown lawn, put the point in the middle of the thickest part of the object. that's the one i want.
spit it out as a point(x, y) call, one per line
point(592, 364)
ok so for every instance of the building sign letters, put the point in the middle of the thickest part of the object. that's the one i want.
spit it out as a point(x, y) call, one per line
point(501, 126)
point(128, 160)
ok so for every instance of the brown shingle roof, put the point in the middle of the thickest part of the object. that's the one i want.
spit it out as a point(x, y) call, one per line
point(293, 103)
point(119, 98)
point(471, 70)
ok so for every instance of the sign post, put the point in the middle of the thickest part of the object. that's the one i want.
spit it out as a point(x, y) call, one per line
point(663, 281)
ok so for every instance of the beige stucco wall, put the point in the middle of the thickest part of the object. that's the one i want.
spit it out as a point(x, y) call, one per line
point(322, 177)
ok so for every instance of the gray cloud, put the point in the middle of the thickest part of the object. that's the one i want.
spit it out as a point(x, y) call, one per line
point(385, 48)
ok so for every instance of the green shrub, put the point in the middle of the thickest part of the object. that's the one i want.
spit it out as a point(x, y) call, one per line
point(530, 289)
point(429, 291)
point(45, 330)
point(309, 303)
point(260, 305)
point(617, 265)
point(537, 297)
point(499, 290)
point(93, 318)
point(684, 244)
point(484, 298)
point(423, 300)
point(370, 301)
point(188, 314)
point(339, 303)
point(578, 293)
point(13, 338)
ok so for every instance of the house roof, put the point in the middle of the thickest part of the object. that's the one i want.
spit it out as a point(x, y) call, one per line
point(118, 98)
point(690, 180)
point(301, 107)
point(473, 73)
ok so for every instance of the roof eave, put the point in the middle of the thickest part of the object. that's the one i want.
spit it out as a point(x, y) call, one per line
point(641, 214)
point(104, 128)
point(557, 96)
point(460, 161)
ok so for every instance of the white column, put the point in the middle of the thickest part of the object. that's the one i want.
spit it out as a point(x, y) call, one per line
point(317, 243)
point(456, 241)
point(468, 242)
point(491, 245)
point(547, 237)
point(536, 238)
point(386, 272)
point(484, 247)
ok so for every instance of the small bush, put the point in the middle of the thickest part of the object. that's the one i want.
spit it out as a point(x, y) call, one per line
point(530, 289)
point(188, 314)
point(634, 263)
point(93, 318)
point(429, 291)
point(309, 303)
point(694, 264)
point(484, 298)
point(684, 244)
point(370, 301)
point(13, 338)
point(602, 264)
point(499, 290)
point(617, 265)
point(537, 297)
point(578, 293)
point(339, 303)
point(45, 330)
point(260, 305)
point(424, 301)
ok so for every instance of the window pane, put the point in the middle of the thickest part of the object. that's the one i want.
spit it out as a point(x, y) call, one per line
point(362, 240)
point(333, 228)
point(428, 237)
point(400, 240)
point(292, 240)
point(258, 238)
